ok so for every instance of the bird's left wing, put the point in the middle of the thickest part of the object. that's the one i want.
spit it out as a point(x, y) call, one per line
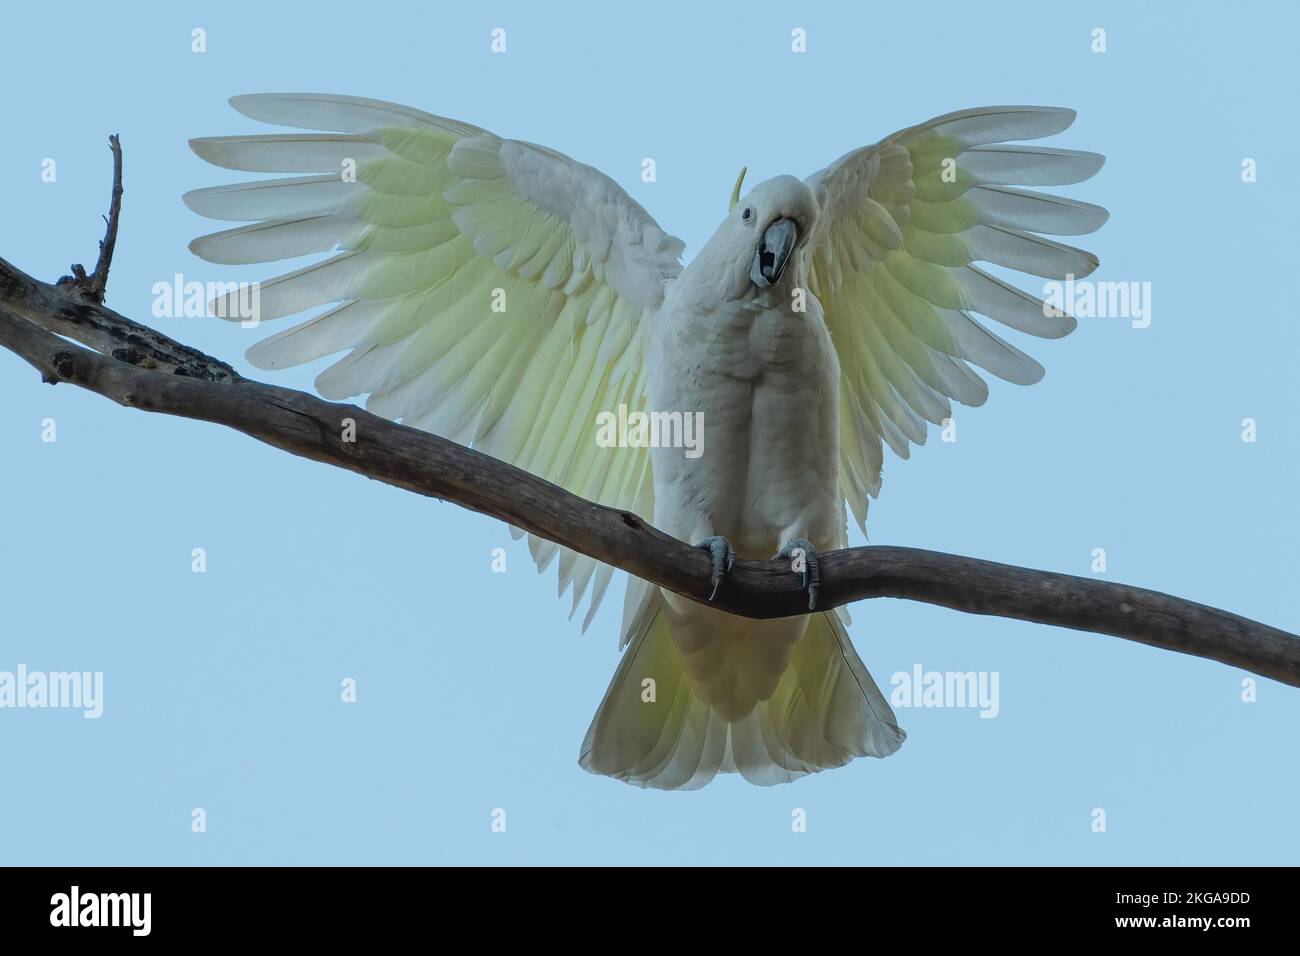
point(485, 289)
point(900, 227)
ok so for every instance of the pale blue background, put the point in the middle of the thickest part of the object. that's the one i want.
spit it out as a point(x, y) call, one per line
point(222, 690)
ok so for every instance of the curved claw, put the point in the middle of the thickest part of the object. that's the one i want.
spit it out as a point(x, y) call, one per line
point(797, 548)
point(721, 556)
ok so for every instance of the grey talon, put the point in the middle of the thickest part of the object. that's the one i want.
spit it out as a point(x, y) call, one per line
point(722, 557)
point(812, 572)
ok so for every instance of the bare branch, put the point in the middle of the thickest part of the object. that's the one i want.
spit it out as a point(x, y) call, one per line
point(60, 309)
point(93, 286)
point(141, 368)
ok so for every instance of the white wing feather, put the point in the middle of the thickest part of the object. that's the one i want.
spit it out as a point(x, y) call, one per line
point(902, 223)
point(440, 220)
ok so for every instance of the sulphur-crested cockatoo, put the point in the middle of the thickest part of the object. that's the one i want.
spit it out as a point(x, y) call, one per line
point(505, 296)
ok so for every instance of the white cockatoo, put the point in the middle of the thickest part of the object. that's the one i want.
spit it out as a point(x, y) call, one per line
point(505, 296)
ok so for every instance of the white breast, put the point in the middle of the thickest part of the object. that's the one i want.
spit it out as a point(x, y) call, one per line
point(766, 381)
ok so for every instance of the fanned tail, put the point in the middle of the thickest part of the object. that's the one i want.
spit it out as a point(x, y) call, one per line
point(653, 730)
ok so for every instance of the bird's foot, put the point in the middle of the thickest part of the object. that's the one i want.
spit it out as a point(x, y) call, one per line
point(803, 558)
point(722, 558)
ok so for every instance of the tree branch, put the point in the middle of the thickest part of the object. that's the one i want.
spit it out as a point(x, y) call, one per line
point(141, 368)
point(93, 286)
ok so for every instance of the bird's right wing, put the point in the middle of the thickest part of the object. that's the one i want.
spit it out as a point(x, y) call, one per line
point(487, 290)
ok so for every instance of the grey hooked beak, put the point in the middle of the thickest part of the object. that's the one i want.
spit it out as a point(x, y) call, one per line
point(773, 252)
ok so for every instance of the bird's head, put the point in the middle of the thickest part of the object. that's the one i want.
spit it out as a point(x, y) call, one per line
point(760, 244)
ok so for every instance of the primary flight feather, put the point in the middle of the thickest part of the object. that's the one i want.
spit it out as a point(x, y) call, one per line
point(504, 296)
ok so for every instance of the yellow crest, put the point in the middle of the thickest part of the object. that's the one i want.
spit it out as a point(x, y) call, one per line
point(735, 192)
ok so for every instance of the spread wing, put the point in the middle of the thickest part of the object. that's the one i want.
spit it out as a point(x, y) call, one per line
point(902, 224)
point(487, 290)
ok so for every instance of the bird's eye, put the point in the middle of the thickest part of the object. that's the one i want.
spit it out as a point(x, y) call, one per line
point(747, 215)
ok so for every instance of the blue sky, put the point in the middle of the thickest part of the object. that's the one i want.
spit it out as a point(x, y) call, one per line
point(221, 690)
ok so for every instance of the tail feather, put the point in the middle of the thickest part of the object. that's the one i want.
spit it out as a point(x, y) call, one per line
point(652, 730)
